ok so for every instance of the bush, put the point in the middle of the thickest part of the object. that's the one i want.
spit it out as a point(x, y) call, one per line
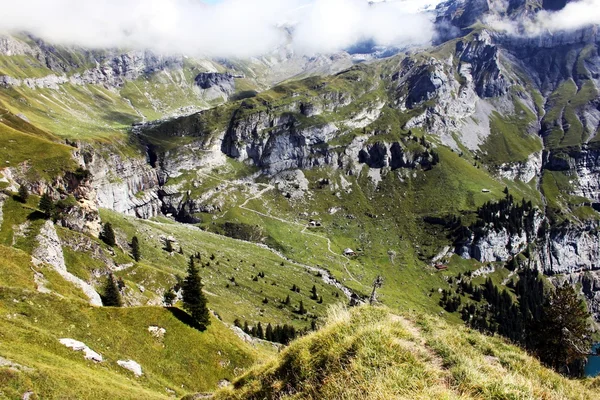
point(23, 193)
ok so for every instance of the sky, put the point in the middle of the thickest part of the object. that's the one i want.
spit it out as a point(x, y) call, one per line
point(220, 27)
point(244, 28)
point(574, 15)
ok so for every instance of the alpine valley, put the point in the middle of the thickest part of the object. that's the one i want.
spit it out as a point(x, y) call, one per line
point(445, 173)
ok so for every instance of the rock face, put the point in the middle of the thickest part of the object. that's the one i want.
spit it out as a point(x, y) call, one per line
point(126, 185)
point(49, 251)
point(584, 165)
point(214, 84)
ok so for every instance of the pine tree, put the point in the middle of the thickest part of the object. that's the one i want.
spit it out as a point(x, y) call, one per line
point(169, 297)
point(564, 332)
point(108, 235)
point(269, 333)
point(135, 248)
point(23, 193)
point(168, 246)
point(112, 296)
point(194, 301)
point(314, 295)
point(46, 205)
point(259, 331)
point(301, 309)
point(287, 300)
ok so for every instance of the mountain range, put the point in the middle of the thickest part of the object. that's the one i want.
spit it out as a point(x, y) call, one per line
point(299, 177)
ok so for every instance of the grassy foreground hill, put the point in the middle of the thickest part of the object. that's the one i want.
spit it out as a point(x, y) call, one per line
point(372, 353)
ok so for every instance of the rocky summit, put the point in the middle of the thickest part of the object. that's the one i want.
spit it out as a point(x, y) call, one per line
point(390, 220)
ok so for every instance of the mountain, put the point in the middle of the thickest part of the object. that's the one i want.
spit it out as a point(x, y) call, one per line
point(295, 183)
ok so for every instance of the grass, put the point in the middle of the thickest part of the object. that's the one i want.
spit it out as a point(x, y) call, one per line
point(510, 140)
point(372, 353)
point(184, 360)
point(562, 120)
point(31, 322)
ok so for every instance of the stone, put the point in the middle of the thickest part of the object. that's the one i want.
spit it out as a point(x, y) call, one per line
point(131, 366)
point(75, 345)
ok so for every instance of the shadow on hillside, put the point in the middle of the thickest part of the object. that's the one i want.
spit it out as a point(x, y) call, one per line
point(121, 117)
point(36, 216)
point(184, 317)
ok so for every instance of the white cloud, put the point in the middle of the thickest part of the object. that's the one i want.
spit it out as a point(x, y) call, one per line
point(229, 28)
point(574, 15)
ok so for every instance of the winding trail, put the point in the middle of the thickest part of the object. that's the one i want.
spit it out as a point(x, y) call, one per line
point(258, 195)
point(324, 273)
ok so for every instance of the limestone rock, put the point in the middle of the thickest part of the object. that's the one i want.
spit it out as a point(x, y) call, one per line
point(75, 345)
point(131, 366)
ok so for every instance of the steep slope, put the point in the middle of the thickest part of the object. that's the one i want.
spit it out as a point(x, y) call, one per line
point(370, 353)
point(39, 308)
point(488, 97)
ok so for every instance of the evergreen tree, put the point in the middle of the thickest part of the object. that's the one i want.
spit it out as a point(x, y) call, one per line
point(135, 248)
point(287, 300)
point(259, 331)
point(108, 235)
point(301, 309)
point(564, 332)
point(314, 295)
point(23, 193)
point(246, 328)
point(194, 301)
point(168, 246)
point(169, 297)
point(46, 205)
point(269, 333)
point(112, 296)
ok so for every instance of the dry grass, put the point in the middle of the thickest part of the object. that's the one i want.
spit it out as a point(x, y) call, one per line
point(370, 353)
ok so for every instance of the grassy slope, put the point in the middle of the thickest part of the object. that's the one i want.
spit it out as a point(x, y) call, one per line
point(232, 259)
point(32, 322)
point(370, 353)
point(37, 149)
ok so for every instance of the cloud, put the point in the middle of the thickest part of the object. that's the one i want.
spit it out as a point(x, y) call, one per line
point(228, 28)
point(574, 15)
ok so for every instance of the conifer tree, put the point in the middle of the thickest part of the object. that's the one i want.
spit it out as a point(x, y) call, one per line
point(194, 301)
point(112, 296)
point(269, 333)
point(259, 331)
point(168, 246)
point(287, 300)
point(23, 193)
point(314, 295)
point(169, 297)
point(46, 205)
point(301, 309)
point(108, 235)
point(135, 248)
point(564, 335)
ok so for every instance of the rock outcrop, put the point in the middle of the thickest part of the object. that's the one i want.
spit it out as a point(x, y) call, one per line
point(76, 345)
point(215, 85)
point(49, 251)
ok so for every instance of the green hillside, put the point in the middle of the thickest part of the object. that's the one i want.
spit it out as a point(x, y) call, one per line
point(374, 353)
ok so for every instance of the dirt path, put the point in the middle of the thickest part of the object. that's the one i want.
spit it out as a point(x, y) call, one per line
point(304, 226)
point(324, 274)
